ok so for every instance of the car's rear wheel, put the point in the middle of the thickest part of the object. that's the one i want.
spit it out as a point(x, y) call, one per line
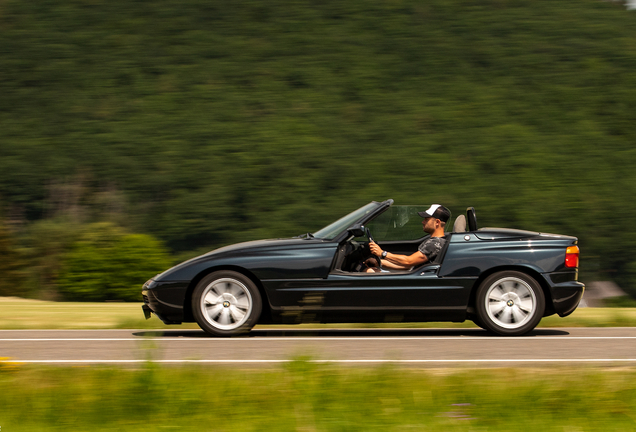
point(478, 323)
point(510, 303)
point(226, 303)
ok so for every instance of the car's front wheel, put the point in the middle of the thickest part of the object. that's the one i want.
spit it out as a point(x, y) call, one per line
point(226, 303)
point(510, 303)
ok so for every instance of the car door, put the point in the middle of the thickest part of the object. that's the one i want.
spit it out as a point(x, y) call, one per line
point(419, 292)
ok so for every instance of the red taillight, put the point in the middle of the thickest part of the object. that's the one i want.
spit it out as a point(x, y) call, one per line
point(572, 256)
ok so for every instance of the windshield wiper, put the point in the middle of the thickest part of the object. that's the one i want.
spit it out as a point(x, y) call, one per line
point(307, 236)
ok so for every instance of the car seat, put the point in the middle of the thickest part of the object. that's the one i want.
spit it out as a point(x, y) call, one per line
point(460, 224)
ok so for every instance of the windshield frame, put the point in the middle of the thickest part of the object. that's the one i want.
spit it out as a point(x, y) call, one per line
point(335, 229)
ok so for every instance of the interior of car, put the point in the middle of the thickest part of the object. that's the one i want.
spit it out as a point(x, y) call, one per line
point(399, 231)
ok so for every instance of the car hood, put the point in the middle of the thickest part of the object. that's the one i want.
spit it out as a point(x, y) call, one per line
point(259, 244)
point(244, 247)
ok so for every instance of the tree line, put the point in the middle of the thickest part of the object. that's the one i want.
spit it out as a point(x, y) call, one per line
point(203, 123)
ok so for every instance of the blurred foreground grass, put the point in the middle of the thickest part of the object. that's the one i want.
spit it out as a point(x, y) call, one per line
point(18, 313)
point(303, 396)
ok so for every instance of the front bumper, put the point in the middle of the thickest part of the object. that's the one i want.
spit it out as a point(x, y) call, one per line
point(164, 300)
point(147, 311)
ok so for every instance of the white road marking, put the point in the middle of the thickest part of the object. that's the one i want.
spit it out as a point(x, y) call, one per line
point(318, 338)
point(609, 360)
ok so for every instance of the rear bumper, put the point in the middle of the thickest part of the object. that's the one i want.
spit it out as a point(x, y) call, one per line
point(566, 296)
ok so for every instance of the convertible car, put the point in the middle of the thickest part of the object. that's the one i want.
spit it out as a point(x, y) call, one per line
point(505, 280)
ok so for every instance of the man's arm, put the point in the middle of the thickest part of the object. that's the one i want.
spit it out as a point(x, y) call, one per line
point(403, 261)
point(389, 265)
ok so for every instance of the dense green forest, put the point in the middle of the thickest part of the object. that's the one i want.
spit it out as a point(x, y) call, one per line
point(199, 123)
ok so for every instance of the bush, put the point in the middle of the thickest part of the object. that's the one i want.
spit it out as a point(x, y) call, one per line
point(45, 243)
point(107, 263)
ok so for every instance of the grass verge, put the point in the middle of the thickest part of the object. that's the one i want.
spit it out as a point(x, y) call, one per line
point(17, 313)
point(302, 396)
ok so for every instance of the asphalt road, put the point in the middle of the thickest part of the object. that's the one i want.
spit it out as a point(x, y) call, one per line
point(412, 347)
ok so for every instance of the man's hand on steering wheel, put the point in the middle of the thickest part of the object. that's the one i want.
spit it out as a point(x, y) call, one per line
point(375, 249)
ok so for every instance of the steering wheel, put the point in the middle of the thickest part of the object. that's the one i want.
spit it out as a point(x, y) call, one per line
point(369, 236)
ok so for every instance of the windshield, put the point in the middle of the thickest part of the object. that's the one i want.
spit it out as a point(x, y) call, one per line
point(332, 231)
point(398, 223)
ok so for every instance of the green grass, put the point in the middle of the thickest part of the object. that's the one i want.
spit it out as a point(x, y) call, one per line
point(20, 313)
point(302, 396)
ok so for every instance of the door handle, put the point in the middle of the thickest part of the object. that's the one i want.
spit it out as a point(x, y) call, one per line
point(429, 271)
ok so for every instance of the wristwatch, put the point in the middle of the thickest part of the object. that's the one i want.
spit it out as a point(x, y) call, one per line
point(384, 254)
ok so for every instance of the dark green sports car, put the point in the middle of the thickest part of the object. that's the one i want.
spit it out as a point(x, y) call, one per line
point(505, 280)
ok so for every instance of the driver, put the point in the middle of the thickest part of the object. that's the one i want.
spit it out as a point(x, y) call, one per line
point(435, 219)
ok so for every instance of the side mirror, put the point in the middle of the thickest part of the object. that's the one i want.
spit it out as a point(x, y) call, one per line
point(357, 230)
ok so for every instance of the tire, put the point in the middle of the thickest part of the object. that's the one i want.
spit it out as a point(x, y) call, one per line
point(510, 303)
point(478, 323)
point(226, 303)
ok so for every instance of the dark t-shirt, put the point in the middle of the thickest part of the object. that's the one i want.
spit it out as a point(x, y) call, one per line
point(432, 246)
